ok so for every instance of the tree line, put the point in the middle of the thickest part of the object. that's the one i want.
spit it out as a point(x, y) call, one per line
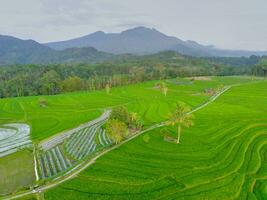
point(32, 80)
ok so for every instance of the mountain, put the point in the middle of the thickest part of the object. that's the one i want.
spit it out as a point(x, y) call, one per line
point(100, 47)
point(17, 51)
point(192, 48)
point(20, 51)
point(138, 41)
point(142, 41)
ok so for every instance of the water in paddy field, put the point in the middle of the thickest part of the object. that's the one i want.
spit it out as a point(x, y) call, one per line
point(13, 137)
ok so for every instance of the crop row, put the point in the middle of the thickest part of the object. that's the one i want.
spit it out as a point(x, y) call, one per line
point(103, 138)
point(82, 143)
point(53, 162)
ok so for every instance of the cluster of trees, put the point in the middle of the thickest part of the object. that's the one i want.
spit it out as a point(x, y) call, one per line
point(244, 62)
point(26, 80)
point(121, 123)
point(260, 69)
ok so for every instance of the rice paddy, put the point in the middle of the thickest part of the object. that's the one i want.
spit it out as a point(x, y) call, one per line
point(16, 172)
point(13, 137)
point(223, 156)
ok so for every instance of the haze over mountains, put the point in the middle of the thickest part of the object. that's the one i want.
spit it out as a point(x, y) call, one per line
point(100, 46)
point(17, 51)
point(142, 40)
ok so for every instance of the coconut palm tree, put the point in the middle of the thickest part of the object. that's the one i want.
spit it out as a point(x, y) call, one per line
point(181, 117)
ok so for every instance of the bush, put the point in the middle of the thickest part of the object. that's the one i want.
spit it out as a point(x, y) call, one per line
point(117, 130)
point(42, 102)
point(120, 113)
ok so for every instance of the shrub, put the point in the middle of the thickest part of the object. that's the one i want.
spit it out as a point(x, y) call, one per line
point(42, 102)
point(117, 130)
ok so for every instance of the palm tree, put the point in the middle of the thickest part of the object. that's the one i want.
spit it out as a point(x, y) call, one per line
point(162, 87)
point(181, 117)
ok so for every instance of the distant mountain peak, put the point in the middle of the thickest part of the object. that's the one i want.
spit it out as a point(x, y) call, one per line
point(141, 30)
point(142, 40)
point(98, 33)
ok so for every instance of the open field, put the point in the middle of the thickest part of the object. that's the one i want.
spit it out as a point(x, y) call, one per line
point(16, 172)
point(148, 166)
point(222, 157)
point(67, 111)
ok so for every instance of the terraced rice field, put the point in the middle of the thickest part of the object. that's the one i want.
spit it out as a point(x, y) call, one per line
point(83, 143)
point(64, 151)
point(67, 111)
point(222, 157)
point(13, 137)
point(206, 165)
point(53, 162)
point(103, 138)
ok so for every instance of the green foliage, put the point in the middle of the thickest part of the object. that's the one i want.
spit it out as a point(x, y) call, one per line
point(135, 122)
point(50, 83)
point(43, 102)
point(72, 83)
point(162, 86)
point(117, 130)
point(180, 117)
point(120, 113)
point(28, 80)
point(260, 69)
point(132, 120)
point(223, 156)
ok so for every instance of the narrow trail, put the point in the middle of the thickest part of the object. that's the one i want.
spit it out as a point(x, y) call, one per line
point(82, 166)
point(35, 163)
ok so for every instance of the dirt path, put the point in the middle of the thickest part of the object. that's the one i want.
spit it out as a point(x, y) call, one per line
point(79, 168)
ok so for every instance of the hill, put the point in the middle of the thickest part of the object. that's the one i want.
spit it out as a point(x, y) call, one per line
point(14, 50)
point(17, 51)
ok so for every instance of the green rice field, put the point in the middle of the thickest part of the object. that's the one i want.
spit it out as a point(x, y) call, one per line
point(223, 156)
point(69, 110)
point(16, 172)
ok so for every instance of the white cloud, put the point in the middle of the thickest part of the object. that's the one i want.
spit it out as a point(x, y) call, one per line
point(238, 24)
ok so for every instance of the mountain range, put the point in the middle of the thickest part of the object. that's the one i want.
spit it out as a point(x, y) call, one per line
point(17, 51)
point(142, 40)
point(100, 46)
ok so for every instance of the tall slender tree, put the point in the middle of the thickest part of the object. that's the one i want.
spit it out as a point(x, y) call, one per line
point(181, 117)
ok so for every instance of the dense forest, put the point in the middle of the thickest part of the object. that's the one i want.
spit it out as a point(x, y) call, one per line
point(28, 80)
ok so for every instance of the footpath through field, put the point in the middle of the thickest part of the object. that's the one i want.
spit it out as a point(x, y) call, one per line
point(82, 166)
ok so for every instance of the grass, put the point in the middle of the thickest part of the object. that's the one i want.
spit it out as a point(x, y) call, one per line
point(205, 164)
point(222, 157)
point(16, 172)
point(66, 111)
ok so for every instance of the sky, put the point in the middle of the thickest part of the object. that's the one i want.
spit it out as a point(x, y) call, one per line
point(228, 24)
